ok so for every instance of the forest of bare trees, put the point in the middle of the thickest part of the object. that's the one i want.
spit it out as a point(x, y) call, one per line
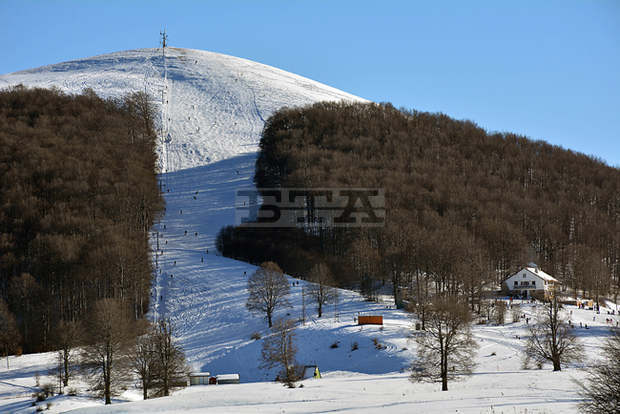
point(464, 208)
point(78, 195)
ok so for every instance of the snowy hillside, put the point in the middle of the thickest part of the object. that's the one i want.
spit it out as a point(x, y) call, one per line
point(205, 294)
point(216, 104)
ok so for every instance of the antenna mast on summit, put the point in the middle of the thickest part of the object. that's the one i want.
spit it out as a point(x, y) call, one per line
point(165, 115)
point(164, 40)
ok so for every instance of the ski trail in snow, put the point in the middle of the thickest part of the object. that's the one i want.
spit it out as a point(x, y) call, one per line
point(204, 294)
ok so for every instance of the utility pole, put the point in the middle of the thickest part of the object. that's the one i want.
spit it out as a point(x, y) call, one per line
point(336, 298)
point(303, 304)
point(154, 235)
point(164, 40)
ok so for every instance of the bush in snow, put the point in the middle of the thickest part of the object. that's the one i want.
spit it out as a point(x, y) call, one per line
point(499, 315)
point(515, 311)
point(602, 388)
point(378, 345)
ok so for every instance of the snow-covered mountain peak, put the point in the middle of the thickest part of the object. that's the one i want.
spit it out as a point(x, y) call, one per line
point(215, 104)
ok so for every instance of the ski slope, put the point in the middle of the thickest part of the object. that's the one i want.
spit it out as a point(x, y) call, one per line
point(205, 294)
point(216, 105)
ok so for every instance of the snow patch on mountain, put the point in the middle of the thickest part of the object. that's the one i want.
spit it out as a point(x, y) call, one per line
point(215, 105)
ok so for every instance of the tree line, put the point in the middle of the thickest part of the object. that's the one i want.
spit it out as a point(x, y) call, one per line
point(78, 195)
point(464, 208)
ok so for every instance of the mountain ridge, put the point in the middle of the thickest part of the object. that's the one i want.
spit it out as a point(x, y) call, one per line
point(216, 104)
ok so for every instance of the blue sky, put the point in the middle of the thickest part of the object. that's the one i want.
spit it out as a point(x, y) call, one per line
point(546, 69)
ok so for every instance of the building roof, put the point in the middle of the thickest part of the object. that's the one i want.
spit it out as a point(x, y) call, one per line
point(228, 377)
point(200, 374)
point(542, 274)
point(536, 272)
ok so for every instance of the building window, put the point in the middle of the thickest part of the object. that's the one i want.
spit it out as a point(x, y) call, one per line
point(516, 283)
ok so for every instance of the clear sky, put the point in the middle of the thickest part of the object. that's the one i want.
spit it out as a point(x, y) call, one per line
point(546, 69)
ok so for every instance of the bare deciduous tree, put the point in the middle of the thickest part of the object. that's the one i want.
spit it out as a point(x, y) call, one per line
point(171, 367)
point(321, 291)
point(110, 335)
point(420, 296)
point(365, 260)
point(279, 350)
point(144, 360)
point(157, 361)
point(602, 388)
point(268, 289)
point(67, 337)
point(499, 314)
point(551, 339)
point(9, 334)
point(446, 348)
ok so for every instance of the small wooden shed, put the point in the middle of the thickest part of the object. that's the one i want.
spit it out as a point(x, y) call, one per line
point(199, 378)
point(228, 379)
point(370, 320)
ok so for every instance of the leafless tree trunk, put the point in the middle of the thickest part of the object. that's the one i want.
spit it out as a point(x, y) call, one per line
point(421, 297)
point(9, 334)
point(321, 291)
point(268, 289)
point(171, 367)
point(446, 348)
point(551, 339)
point(144, 360)
point(105, 357)
point(602, 388)
point(279, 350)
point(67, 336)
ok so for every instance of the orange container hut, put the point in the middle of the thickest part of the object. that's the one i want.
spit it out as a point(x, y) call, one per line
point(370, 320)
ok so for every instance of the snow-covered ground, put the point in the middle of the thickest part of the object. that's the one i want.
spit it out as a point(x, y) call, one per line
point(217, 105)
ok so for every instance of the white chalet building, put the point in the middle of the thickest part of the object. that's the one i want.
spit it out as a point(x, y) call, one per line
point(530, 280)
